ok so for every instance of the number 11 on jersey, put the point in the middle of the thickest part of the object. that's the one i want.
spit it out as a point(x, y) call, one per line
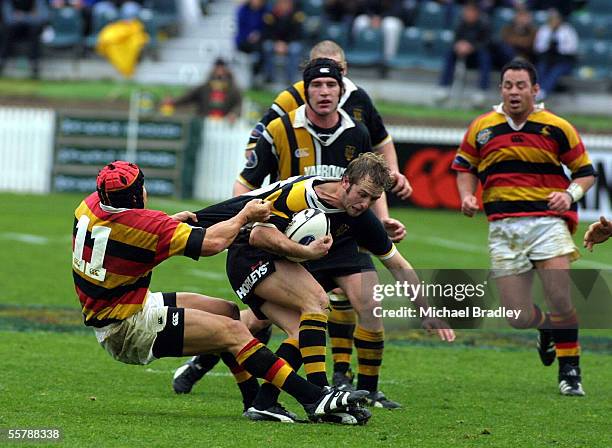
point(100, 236)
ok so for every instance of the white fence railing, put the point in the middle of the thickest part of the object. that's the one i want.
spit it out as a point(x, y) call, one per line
point(26, 149)
point(220, 159)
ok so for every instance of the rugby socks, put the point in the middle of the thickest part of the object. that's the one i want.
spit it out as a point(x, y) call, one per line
point(370, 346)
point(565, 334)
point(248, 385)
point(289, 351)
point(341, 326)
point(312, 334)
point(258, 360)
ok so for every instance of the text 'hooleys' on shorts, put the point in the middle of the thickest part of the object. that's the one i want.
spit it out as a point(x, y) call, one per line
point(514, 243)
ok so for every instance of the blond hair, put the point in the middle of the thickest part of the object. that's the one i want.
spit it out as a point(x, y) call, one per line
point(327, 49)
point(371, 166)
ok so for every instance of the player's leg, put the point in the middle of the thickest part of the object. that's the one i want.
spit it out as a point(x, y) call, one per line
point(341, 327)
point(369, 334)
point(204, 332)
point(266, 405)
point(304, 295)
point(187, 375)
point(555, 277)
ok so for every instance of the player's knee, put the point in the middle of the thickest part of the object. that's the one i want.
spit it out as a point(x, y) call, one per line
point(236, 332)
point(315, 301)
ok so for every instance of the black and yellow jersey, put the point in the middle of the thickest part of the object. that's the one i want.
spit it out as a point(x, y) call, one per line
point(355, 101)
point(296, 194)
point(520, 167)
point(291, 146)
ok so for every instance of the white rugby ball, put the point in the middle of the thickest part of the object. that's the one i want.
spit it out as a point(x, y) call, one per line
point(306, 226)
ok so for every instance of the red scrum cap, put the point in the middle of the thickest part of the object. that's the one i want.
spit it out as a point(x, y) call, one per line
point(117, 175)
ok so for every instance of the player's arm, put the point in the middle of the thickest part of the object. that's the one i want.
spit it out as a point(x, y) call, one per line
point(402, 188)
point(561, 201)
point(467, 183)
point(403, 272)
point(395, 229)
point(597, 233)
point(219, 236)
point(269, 238)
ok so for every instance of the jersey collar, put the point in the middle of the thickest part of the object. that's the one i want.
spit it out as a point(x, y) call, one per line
point(300, 121)
point(311, 195)
point(349, 87)
point(539, 107)
point(109, 209)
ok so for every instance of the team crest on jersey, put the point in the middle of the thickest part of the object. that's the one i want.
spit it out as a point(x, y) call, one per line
point(484, 136)
point(301, 152)
point(251, 160)
point(349, 152)
point(358, 114)
point(545, 131)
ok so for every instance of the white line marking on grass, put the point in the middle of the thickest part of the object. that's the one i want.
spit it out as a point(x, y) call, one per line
point(167, 371)
point(207, 274)
point(25, 238)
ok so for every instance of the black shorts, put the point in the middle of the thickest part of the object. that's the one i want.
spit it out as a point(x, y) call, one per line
point(169, 341)
point(246, 267)
point(344, 259)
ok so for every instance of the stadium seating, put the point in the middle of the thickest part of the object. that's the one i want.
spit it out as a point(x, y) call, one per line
point(410, 50)
point(595, 60)
point(367, 48)
point(338, 32)
point(600, 6)
point(431, 16)
point(166, 15)
point(67, 26)
point(147, 19)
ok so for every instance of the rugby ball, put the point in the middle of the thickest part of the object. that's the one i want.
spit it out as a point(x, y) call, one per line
point(306, 226)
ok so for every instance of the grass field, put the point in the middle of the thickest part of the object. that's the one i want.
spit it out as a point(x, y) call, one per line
point(486, 390)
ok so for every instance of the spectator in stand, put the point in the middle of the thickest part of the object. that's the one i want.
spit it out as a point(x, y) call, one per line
point(388, 15)
point(250, 28)
point(217, 97)
point(282, 34)
point(556, 47)
point(517, 38)
point(472, 39)
point(23, 21)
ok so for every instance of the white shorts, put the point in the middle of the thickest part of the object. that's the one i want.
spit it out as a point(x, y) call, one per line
point(131, 340)
point(515, 242)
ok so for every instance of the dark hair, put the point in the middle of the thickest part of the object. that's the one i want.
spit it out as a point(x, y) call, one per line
point(520, 64)
point(370, 165)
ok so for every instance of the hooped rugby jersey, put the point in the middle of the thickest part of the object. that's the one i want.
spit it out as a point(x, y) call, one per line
point(296, 194)
point(355, 101)
point(520, 167)
point(114, 251)
point(291, 146)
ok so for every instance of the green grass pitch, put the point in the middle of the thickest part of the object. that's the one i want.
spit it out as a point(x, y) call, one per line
point(486, 390)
